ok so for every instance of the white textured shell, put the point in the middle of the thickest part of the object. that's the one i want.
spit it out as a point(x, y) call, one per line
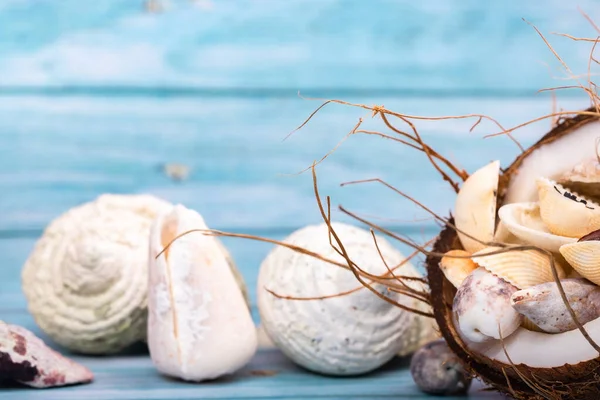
point(85, 281)
point(566, 213)
point(345, 335)
point(199, 326)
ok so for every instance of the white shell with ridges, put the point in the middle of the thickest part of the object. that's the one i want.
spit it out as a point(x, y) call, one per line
point(584, 257)
point(523, 220)
point(521, 268)
point(345, 335)
point(475, 208)
point(199, 326)
point(85, 280)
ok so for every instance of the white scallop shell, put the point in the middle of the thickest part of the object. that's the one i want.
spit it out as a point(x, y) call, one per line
point(344, 335)
point(524, 221)
point(520, 268)
point(475, 207)
point(565, 213)
point(584, 257)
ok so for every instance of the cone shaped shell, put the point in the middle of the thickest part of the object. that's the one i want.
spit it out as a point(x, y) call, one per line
point(524, 221)
point(520, 268)
point(565, 213)
point(584, 257)
point(199, 326)
point(475, 207)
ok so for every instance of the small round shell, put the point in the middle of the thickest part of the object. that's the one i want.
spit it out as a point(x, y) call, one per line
point(524, 221)
point(475, 207)
point(457, 269)
point(584, 257)
point(521, 268)
point(565, 213)
point(342, 335)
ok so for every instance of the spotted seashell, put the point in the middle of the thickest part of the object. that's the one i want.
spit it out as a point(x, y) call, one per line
point(566, 213)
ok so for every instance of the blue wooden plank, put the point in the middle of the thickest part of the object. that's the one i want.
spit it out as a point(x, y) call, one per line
point(133, 377)
point(452, 45)
point(60, 152)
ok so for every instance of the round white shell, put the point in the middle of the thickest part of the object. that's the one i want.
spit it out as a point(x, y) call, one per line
point(475, 208)
point(524, 221)
point(345, 335)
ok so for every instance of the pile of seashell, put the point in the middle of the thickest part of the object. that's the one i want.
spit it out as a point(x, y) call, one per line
point(499, 289)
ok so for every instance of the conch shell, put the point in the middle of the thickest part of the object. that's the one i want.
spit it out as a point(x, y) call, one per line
point(524, 221)
point(457, 269)
point(475, 208)
point(482, 307)
point(584, 256)
point(566, 213)
point(520, 268)
point(543, 305)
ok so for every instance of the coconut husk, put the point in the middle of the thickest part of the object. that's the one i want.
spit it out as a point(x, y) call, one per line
point(519, 381)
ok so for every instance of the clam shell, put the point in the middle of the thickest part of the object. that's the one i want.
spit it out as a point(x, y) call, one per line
point(524, 221)
point(583, 178)
point(520, 268)
point(457, 269)
point(584, 257)
point(566, 213)
point(475, 207)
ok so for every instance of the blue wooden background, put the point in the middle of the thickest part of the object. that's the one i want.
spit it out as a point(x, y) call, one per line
point(97, 96)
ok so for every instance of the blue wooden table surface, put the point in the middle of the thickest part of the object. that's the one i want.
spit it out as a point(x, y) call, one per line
point(97, 97)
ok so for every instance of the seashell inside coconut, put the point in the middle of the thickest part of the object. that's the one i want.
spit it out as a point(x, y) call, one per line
point(566, 213)
point(584, 257)
point(525, 222)
point(475, 208)
point(521, 268)
point(342, 335)
point(456, 266)
point(583, 178)
point(528, 364)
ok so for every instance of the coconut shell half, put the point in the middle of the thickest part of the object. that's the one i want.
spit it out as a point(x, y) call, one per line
point(581, 381)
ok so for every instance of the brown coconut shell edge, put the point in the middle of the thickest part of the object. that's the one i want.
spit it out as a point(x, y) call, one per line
point(580, 381)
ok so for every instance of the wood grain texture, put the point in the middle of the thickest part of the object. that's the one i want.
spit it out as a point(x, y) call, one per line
point(437, 46)
point(132, 377)
point(61, 152)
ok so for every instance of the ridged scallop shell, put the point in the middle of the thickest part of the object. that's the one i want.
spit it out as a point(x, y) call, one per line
point(475, 207)
point(584, 257)
point(520, 268)
point(524, 221)
point(566, 213)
